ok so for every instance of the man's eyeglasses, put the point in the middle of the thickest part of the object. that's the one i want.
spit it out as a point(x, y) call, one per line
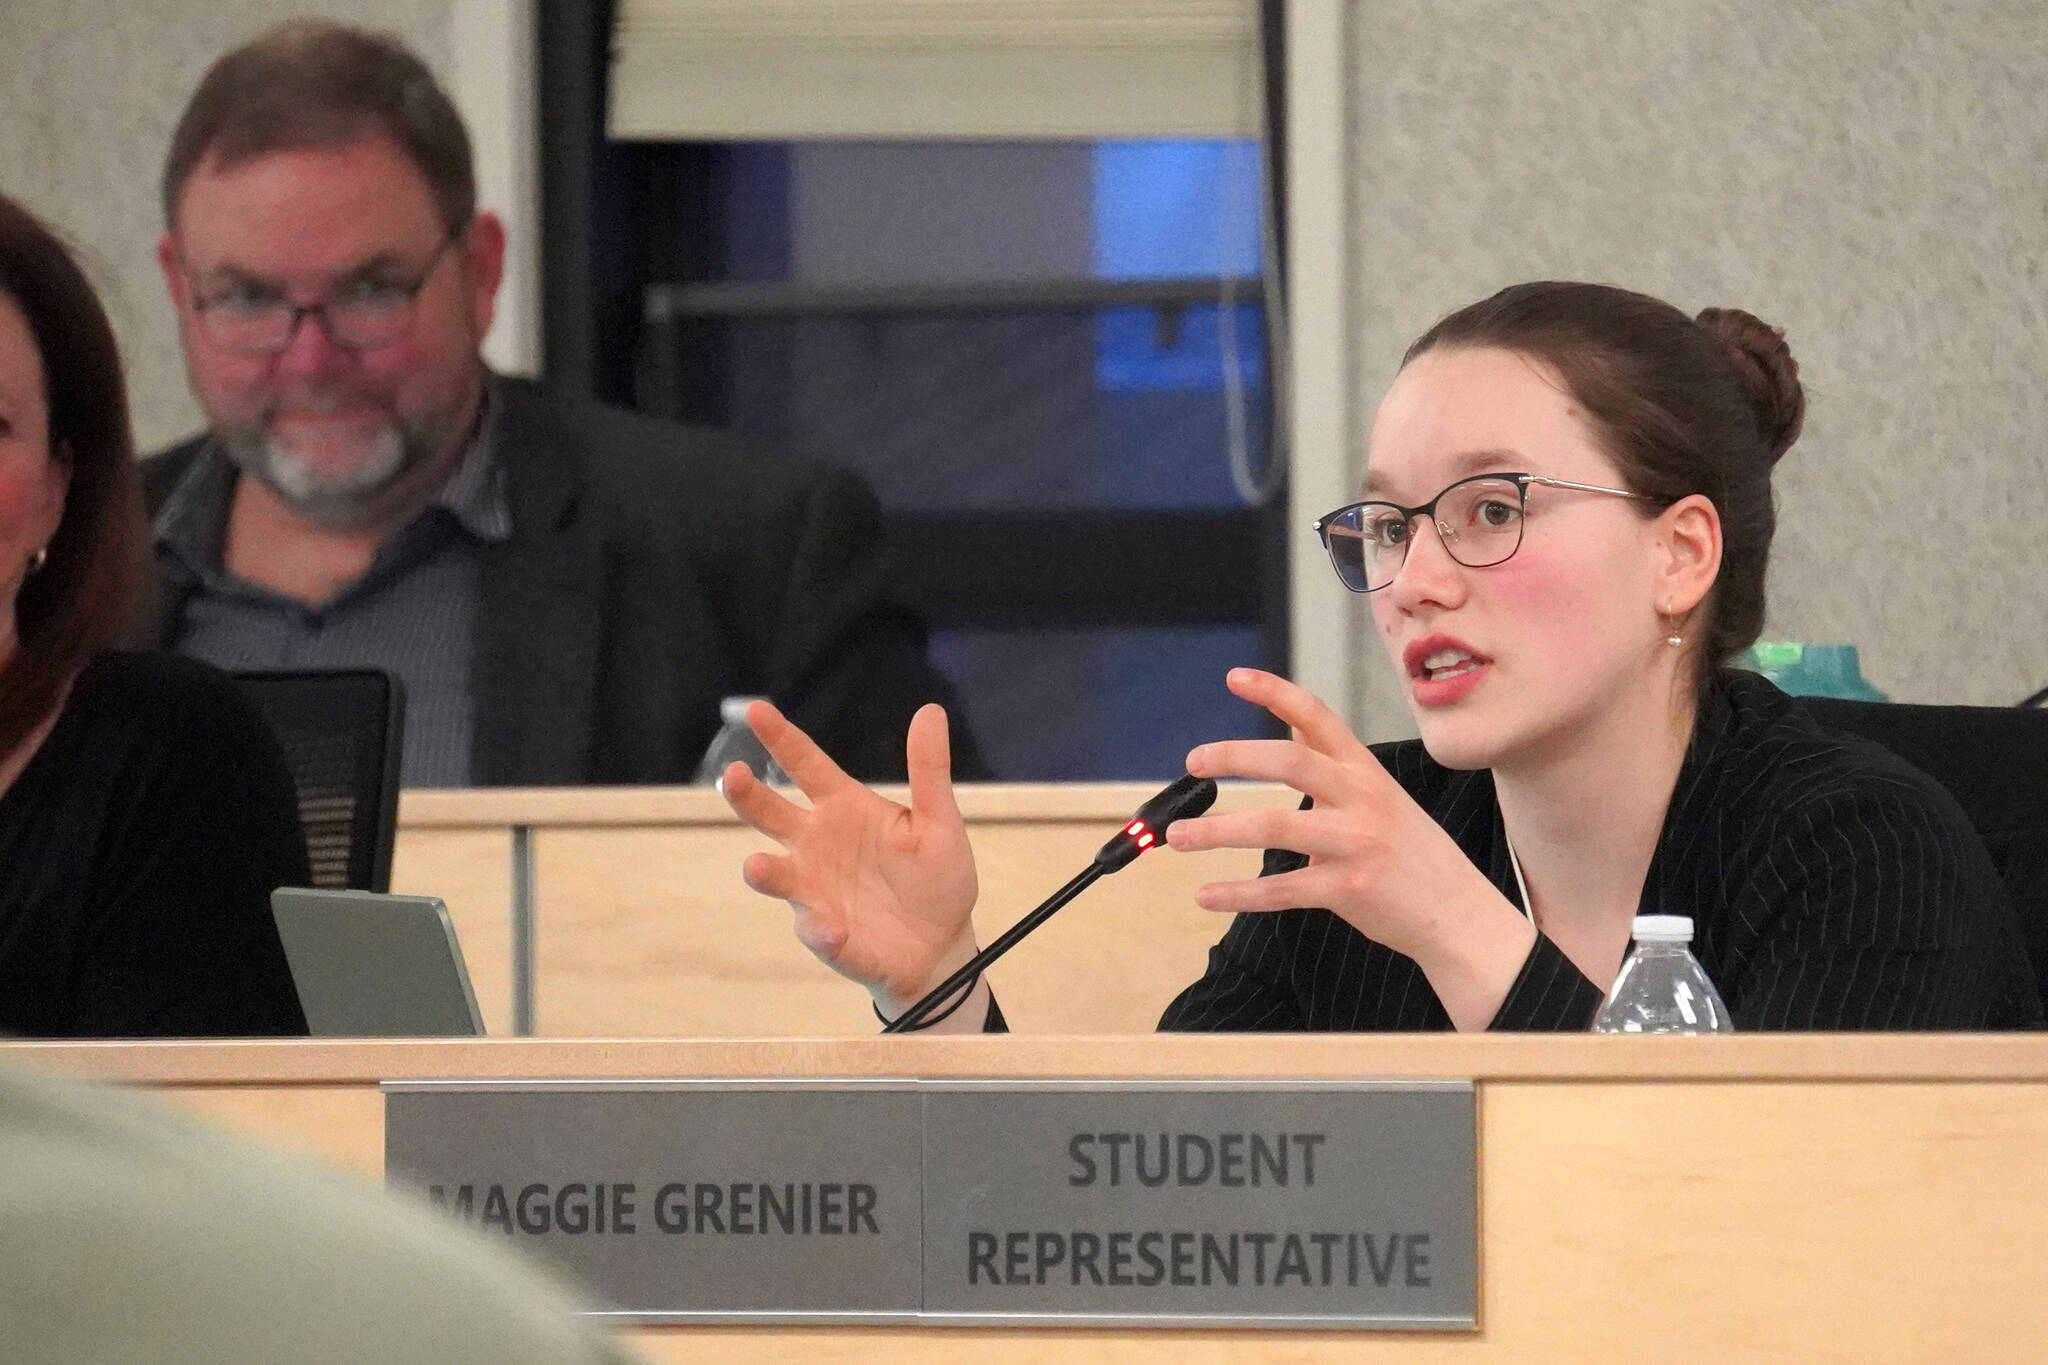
point(1479, 520)
point(252, 319)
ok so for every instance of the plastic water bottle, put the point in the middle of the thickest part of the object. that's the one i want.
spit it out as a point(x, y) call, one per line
point(735, 742)
point(1662, 987)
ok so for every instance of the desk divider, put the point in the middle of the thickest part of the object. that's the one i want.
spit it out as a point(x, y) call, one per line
point(621, 911)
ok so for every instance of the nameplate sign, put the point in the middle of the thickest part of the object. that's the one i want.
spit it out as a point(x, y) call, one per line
point(1201, 1205)
point(1226, 1204)
point(684, 1200)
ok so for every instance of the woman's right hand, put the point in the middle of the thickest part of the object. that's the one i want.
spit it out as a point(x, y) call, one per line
point(883, 895)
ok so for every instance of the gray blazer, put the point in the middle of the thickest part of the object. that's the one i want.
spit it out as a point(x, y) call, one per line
point(652, 570)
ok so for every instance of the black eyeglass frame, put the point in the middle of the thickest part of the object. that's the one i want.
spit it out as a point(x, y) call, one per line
point(297, 313)
point(1325, 524)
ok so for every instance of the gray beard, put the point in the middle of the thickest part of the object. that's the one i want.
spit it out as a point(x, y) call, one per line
point(340, 501)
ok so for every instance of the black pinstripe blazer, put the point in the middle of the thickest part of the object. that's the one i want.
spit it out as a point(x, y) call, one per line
point(1831, 886)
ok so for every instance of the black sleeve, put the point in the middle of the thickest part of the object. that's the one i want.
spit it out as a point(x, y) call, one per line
point(1250, 984)
point(848, 656)
point(1876, 910)
point(1248, 987)
point(1549, 995)
point(180, 940)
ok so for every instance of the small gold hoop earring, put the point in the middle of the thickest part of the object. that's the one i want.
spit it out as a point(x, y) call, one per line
point(38, 559)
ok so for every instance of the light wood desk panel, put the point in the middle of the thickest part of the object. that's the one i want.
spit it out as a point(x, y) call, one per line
point(642, 926)
point(1812, 1199)
point(651, 932)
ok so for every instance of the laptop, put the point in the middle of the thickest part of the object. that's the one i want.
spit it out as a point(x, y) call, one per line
point(375, 966)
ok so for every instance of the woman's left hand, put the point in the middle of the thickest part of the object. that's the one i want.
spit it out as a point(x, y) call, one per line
point(1375, 858)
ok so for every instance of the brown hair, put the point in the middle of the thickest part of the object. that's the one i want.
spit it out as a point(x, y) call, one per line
point(86, 594)
point(1682, 406)
point(311, 83)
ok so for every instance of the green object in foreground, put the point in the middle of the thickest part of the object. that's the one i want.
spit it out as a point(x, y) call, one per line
point(1811, 670)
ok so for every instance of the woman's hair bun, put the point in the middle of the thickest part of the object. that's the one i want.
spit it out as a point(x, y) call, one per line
point(1769, 373)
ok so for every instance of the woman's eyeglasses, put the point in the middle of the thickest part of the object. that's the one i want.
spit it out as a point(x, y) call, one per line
point(1479, 520)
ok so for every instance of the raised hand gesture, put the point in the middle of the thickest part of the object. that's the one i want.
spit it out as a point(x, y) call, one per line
point(884, 894)
point(1375, 858)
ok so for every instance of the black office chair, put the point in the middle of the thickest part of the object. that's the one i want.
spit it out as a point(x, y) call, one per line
point(342, 731)
point(1994, 761)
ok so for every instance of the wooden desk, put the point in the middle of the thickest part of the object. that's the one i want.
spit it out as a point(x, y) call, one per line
point(640, 926)
point(1808, 1198)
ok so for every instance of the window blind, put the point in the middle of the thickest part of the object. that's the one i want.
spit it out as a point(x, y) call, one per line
point(792, 70)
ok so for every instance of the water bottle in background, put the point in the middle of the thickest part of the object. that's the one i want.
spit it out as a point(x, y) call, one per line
point(735, 743)
point(1662, 987)
point(1811, 670)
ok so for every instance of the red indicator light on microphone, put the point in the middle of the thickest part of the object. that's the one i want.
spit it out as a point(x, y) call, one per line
point(1187, 797)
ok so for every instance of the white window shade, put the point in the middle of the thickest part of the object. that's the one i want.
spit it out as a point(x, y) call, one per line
point(793, 70)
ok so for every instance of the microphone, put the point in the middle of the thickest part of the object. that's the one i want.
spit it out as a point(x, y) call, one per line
point(1188, 796)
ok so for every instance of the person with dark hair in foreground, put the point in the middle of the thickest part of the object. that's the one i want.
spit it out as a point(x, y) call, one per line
point(1566, 521)
point(566, 590)
point(145, 811)
point(129, 1235)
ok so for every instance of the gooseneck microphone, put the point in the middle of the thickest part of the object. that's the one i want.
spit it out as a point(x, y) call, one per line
point(1186, 797)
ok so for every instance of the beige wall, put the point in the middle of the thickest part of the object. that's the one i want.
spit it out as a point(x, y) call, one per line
point(89, 91)
point(1867, 176)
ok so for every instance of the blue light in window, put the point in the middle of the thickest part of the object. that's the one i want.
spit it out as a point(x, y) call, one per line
point(1176, 210)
